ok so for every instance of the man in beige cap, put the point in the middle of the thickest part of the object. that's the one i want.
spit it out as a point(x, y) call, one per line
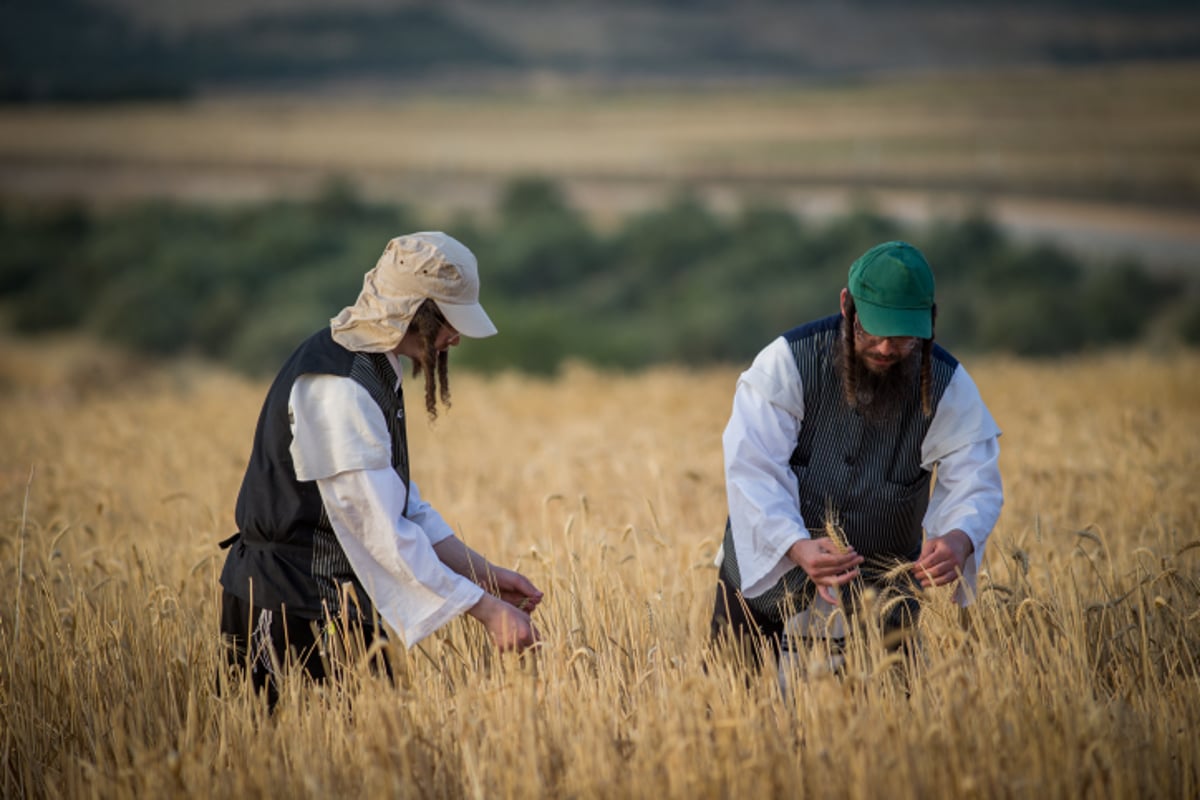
point(332, 533)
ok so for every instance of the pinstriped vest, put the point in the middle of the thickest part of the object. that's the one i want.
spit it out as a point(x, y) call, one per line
point(868, 475)
point(286, 554)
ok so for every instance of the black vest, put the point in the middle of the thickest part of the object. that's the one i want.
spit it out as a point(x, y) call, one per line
point(286, 554)
point(869, 474)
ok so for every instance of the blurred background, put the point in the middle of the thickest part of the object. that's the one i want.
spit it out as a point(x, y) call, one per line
point(644, 183)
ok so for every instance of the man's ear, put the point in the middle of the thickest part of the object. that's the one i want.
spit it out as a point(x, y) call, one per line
point(845, 305)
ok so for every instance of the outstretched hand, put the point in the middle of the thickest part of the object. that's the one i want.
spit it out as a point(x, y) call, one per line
point(826, 565)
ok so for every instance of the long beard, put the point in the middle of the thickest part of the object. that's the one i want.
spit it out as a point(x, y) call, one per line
point(885, 396)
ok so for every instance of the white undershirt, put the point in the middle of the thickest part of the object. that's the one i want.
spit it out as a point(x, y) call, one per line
point(763, 492)
point(341, 440)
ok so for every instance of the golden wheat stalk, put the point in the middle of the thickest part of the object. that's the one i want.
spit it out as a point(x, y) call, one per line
point(832, 529)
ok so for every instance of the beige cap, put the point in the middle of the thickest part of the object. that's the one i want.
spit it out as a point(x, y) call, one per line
point(413, 268)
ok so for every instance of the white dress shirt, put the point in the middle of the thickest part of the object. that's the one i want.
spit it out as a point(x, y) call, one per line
point(341, 440)
point(763, 492)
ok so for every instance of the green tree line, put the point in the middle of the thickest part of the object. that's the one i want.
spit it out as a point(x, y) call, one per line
point(678, 283)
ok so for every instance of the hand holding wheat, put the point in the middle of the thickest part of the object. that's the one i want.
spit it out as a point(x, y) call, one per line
point(829, 560)
point(942, 559)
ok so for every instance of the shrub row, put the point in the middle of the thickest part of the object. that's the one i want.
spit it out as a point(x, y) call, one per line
point(679, 283)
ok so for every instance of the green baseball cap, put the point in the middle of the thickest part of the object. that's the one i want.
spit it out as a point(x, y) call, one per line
point(892, 287)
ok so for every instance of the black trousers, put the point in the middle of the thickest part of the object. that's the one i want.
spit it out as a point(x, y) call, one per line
point(268, 642)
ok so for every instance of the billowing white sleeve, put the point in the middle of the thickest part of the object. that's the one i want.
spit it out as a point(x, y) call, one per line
point(340, 440)
point(962, 443)
point(393, 556)
point(426, 516)
point(336, 426)
point(762, 490)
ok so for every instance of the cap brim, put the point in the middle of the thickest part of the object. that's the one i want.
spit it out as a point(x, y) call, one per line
point(470, 320)
point(881, 321)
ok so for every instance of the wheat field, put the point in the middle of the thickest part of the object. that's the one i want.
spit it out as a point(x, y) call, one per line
point(1074, 675)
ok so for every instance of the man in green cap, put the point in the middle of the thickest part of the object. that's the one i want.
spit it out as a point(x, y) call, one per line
point(837, 432)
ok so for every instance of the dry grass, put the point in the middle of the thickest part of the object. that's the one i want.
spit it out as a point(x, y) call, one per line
point(1074, 675)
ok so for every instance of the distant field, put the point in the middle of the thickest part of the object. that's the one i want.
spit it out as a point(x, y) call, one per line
point(1075, 675)
point(1104, 159)
point(1130, 135)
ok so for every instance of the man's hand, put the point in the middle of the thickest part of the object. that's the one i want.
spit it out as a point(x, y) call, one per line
point(513, 588)
point(510, 628)
point(825, 564)
point(506, 584)
point(942, 559)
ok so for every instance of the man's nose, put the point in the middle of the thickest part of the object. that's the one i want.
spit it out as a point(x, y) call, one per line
point(887, 347)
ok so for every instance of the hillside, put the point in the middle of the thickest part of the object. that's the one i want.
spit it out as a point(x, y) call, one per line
point(76, 49)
